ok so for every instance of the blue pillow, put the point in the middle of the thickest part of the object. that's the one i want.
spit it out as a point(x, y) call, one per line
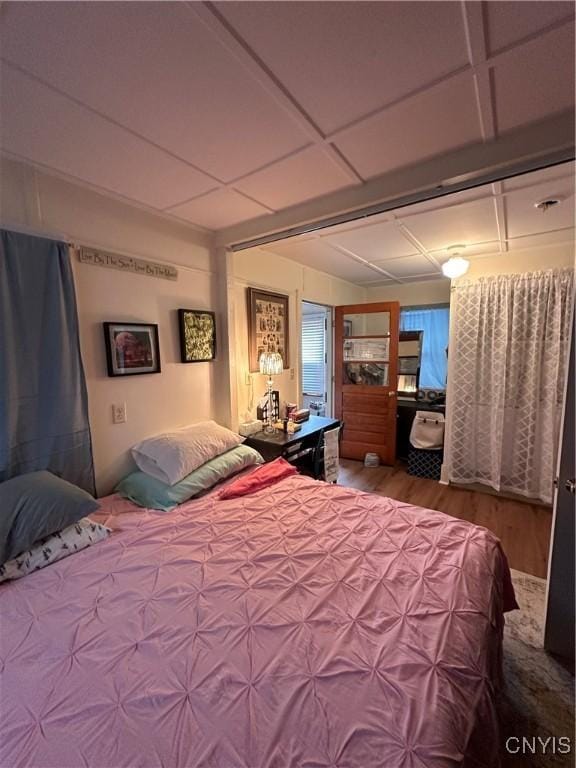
point(147, 491)
point(37, 505)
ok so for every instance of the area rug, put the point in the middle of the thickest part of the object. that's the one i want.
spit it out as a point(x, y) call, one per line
point(537, 707)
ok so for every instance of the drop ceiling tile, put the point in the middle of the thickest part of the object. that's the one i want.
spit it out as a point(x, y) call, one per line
point(221, 208)
point(318, 255)
point(471, 251)
point(156, 68)
point(301, 177)
point(378, 283)
point(375, 242)
point(452, 200)
point(535, 81)
point(425, 278)
point(411, 265)
point(342, 61)
point(525, 219)
point(473, 222)
point(511, 21)
point(542, 240)
point(44, 127)
point(436, 121)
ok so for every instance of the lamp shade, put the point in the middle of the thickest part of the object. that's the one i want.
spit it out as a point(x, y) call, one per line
point(271, 363)
point(455, 267)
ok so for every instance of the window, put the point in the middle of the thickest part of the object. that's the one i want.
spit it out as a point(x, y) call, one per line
point(433, 321)
point(314, 354)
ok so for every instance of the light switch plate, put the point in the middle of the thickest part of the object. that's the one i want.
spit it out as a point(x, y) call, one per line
point(119, 413)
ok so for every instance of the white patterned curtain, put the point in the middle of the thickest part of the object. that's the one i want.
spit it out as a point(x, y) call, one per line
point(507, 367)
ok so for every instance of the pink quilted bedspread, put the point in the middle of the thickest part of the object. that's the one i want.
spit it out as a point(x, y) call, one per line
point(304, 626)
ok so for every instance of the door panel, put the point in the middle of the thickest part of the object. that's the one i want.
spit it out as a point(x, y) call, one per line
point(354, 402)
point(365, 376)
point(364, 423)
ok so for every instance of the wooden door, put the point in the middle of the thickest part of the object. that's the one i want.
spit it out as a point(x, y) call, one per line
point(365, 378)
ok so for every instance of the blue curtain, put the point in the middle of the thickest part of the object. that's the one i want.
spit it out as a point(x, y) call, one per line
point(434, 321)
point(43, 399)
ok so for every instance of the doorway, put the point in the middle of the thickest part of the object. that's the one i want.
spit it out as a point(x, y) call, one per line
point(316, 358)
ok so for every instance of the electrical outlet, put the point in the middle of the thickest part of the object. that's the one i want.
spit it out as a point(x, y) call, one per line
point(119, 413)
point(292, 373)
point(248, 379)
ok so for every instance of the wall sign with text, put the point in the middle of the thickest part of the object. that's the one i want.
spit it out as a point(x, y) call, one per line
point(127, 263)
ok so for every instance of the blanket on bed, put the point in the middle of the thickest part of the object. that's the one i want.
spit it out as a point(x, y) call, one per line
point(305, 625)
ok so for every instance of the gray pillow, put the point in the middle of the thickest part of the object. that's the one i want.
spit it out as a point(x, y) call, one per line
point(36, 505)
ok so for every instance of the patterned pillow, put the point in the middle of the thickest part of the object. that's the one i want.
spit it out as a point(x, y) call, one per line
point(56, 547)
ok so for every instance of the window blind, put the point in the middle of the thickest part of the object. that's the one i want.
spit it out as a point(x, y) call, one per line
point(314, 355)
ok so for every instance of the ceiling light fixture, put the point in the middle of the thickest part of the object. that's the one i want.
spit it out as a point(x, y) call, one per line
point(456, 266)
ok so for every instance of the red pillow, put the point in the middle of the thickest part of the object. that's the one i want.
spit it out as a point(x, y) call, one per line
point(266, 475)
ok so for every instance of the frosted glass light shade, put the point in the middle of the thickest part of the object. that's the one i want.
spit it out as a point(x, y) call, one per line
point(455, 267)
point(271, 363)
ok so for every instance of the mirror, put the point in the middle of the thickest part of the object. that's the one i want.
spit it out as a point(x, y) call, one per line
point(409, 354)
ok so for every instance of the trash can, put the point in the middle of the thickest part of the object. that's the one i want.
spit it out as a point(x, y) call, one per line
point(426, 445)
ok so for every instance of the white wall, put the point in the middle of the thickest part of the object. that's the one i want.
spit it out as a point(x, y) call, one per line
point(37, 203)
point(260, 269)
point(412, 294)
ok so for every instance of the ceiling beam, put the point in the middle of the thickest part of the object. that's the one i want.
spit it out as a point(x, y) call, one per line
point(529, 148)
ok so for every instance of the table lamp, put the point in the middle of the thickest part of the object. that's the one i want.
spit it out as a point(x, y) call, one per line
point(270, 364)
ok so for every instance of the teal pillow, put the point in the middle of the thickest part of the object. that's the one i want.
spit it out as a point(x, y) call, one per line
point(148, 492)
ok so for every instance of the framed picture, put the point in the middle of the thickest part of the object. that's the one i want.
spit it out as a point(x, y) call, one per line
point(131, 348)
point(267, 326)
point(197, 335)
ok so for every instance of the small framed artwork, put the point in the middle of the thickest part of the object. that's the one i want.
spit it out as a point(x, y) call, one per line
point(132, 348)
point(267, 326)
point(197, 335)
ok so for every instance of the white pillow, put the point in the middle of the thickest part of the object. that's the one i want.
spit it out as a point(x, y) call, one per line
point(56, 547)
point(172, 456)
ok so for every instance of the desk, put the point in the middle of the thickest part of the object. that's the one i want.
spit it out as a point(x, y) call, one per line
point(293, 447)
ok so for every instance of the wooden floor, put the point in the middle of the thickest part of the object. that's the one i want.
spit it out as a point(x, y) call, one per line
point(522, 527)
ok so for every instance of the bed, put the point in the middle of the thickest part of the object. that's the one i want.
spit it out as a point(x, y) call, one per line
point(305, 625)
